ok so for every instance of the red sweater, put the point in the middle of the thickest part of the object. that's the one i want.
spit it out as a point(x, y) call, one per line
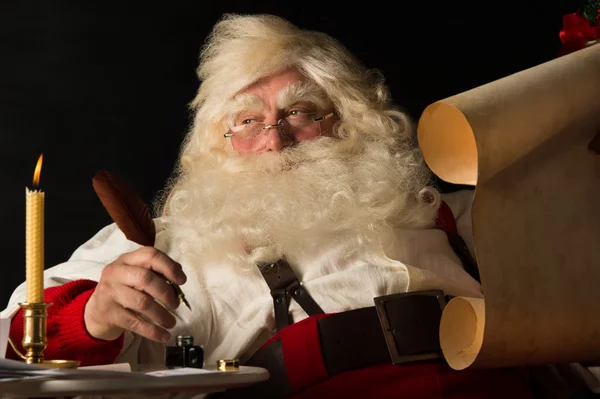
point(67, 336)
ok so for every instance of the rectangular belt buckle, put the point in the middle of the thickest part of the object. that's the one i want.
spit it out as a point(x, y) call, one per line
point(410, 322)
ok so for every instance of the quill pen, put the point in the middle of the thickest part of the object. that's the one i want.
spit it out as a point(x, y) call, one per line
point(129, 212)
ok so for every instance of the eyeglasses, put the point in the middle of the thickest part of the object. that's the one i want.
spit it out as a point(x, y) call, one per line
point(291, 127)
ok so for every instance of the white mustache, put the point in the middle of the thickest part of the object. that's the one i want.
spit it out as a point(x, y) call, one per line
point(289, 158)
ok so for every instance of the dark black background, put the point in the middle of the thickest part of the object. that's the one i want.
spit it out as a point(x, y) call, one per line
point(100, 85)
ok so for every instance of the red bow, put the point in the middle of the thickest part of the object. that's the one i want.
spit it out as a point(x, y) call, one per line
point(576, 32)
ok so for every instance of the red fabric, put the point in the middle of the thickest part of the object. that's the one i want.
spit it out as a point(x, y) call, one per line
point(67, 336)
point(433, 380)
point(285, 330)
point(302, 354)
point(576, 32)
point(445, 218)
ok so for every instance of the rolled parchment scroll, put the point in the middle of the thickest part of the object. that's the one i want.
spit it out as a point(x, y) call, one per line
point(524, 141)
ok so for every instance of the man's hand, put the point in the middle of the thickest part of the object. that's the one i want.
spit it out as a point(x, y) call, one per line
point(129, 287)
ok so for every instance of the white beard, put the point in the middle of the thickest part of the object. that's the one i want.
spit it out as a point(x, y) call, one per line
point(258, 208)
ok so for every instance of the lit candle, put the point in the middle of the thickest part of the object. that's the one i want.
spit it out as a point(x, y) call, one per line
point(34, 239)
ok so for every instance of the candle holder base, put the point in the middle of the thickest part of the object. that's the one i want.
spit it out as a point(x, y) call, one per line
point(53, 364)
point(59, 364)
point(34, 338)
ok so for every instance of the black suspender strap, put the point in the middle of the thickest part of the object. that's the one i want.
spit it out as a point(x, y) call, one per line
point(285, 286)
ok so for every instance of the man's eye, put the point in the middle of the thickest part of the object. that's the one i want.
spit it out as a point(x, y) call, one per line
point(297, 112)
point(247, 121)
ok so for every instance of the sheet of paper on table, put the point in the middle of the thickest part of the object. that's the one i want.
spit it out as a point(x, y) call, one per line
point(17, 369)
point(181, 371)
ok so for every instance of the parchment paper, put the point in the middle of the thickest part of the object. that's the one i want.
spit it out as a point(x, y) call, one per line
point(522, 141)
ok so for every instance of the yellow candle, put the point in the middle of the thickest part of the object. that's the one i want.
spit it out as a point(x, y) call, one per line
point(34, 239)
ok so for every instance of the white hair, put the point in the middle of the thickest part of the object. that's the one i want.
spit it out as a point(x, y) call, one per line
point(353, 186)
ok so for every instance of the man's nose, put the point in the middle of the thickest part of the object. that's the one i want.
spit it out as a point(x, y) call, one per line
point(276, 138)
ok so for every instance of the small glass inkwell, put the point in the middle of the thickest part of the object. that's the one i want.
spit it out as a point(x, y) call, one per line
point(184, 354)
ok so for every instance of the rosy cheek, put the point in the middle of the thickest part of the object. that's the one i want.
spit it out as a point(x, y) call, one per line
point(309, 134)
point(246, 148)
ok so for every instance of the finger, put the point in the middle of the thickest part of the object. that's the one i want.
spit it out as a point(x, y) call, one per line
point(147, 281)
point(143, 303)
point(129, 320)
point(156, 260)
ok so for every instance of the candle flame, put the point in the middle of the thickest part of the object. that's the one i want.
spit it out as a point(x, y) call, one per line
point(38, 171)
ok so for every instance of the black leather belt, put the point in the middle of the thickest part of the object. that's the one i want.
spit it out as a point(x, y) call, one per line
point(400, 328)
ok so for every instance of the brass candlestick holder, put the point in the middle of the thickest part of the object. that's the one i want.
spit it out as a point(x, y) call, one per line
point(34, 331)
point(34, 337)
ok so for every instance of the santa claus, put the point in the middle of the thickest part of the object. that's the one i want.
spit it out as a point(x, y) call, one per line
point(302, 227)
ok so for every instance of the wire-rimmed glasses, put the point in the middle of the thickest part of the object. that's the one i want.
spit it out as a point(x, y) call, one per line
point(291, 127)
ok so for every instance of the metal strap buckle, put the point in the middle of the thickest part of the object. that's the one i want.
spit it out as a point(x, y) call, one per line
point(410, 323)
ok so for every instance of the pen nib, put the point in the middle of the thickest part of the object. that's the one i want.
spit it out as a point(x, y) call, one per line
point(179, 294)
point(185, 302)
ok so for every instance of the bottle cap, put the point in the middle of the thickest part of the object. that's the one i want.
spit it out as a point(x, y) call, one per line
point(185, 340)
point(228, 365)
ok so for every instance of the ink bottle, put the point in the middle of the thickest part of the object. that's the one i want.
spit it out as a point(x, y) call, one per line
point(184, 354)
